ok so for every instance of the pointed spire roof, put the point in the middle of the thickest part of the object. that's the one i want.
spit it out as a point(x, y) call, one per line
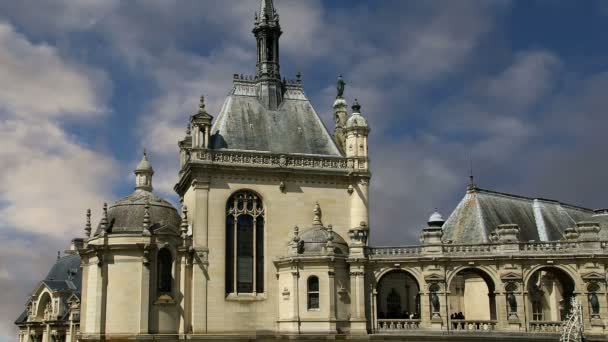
point(143, 174)
point(144, 164)
point(266, 10)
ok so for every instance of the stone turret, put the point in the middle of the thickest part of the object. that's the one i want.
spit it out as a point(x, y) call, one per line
point(143, 174)
point(431, 235)
point(356, 132)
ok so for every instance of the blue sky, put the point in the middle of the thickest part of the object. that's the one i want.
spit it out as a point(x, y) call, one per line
point(516, 86)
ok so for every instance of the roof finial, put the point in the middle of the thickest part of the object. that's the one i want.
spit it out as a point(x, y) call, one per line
point(201, 105)
point(146, 221)
point(184, 225)
point(87, 227)
point(318, 214)
point(340, 87)
point(356, 107)
point(188, 130)
point(58, 255)
point(472, 185)
point(104, 220)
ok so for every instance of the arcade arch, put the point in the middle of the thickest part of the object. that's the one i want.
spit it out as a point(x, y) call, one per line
point(472, 295)
point(549, 292)
point(398, 296)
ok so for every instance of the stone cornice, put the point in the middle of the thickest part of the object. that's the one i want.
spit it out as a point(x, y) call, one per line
point(214, 161)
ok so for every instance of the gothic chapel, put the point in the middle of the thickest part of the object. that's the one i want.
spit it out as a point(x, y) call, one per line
point(271, 240)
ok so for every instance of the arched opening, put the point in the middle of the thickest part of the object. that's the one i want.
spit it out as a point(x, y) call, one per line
point(313, 293)
point(549, 292)
point(45, 307)
point(244, 243)
point(164, 271)
point(398, 296)
point(472, 296)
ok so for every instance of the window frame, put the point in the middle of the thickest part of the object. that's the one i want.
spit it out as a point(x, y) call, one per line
point(310, 293)
point(160, 290)
point(249, 203)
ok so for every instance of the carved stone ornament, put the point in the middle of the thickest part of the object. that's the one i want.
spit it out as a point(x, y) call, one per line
point(285, 293)
point(145, 259)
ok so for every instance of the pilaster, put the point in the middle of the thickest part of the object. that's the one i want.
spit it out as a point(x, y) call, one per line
point(199, 270)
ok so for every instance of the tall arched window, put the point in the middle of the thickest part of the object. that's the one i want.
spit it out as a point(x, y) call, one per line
point(164, 271)
point(244, 243)
point(313, 293)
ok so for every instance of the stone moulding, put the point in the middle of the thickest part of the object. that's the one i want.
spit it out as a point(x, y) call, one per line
point(276, 160)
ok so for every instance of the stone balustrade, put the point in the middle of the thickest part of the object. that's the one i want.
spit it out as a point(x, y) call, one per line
point(395, 325)
point(554, 247)
point(396, 251)
point(473, 325)
point(545, 326)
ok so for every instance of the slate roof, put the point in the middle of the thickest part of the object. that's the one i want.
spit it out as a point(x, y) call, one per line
point(65, 275)
point(127, 214)
point(245, 124)
point(315, 239)
point(481, 211)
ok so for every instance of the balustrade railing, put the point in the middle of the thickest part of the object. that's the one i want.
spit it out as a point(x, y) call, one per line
point(393, 325)
point(481, 249)
point(473, 325)
point(401, 251)
point(545, 326)
point(470, 248)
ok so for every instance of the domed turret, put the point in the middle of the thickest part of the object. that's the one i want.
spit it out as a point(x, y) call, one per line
point(128, 214)
point(319, 239)
point(356, 132)
point(356, 120)
point(436, 220)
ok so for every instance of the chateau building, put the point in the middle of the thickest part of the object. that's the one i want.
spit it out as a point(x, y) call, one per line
point(271, 240)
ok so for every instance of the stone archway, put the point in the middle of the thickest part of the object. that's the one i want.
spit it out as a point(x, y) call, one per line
point(398, 296)
point(549, 292)
point(472, 295)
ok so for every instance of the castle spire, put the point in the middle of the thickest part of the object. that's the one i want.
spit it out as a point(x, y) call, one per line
point(267, 31)
point(143, 174)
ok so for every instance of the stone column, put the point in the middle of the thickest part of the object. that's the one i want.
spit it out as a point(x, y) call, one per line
point(199, 270)
point(144, 309)
point(359, 205)
point(184, 298)
point(331, 297)
point(196, 136)
point(358, 321)
point(374, 308)
point(296, 299)
point(502, 317)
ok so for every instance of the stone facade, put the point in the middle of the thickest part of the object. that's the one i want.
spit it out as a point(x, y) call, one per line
point(272, 241)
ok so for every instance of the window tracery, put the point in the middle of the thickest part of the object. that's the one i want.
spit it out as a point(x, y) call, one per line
point(244, 243)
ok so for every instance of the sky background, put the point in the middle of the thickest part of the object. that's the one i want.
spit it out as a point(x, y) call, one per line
point(518, 87)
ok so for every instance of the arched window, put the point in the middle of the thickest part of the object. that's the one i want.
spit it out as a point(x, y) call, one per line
point(244, 243)
point(313, 293)
point(164, 274)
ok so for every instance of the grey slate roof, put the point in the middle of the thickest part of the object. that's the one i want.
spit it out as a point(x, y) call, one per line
point(245, 124)
point(315, 239)
point(65, 275)
point(127, 214)
point(481, 211)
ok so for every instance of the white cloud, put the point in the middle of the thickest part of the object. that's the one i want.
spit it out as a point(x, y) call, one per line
point(36, 80)
point(47, 177)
